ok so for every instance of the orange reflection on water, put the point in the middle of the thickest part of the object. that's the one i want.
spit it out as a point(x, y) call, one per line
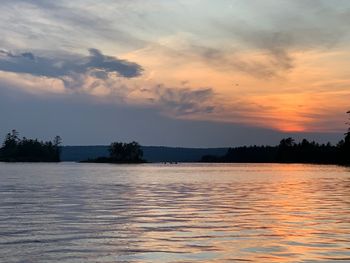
point(283, 220)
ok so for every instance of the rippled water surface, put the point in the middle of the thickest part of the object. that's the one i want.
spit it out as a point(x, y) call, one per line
point(181, 213)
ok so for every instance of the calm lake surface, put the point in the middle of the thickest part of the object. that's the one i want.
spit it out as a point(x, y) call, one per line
point(174, 213)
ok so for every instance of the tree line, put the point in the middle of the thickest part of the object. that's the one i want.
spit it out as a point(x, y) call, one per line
point(289, 151)
point(15, 149)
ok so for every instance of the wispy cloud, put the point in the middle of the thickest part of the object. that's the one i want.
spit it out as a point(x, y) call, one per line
point(182, 102)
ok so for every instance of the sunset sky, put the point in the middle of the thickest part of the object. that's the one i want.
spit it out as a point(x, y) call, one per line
point(180, 72)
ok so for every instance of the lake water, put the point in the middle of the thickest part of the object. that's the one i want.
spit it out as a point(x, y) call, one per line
point(174, 213)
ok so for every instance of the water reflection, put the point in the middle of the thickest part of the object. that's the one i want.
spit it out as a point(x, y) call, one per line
point(187, 213)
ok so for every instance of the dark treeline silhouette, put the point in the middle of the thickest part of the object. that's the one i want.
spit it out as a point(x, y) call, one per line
point(288, 151)
point(121, 153)
point(15, 149)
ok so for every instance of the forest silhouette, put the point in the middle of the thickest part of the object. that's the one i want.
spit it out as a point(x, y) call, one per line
point(288, 151)
point(15, 149)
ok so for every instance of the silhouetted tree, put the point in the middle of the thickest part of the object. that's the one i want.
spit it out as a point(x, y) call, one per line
point(10, 144)
point(120, 152)
point(125, 152)
point(287, 143)
point(344, 145)
point(57, 146)
point(286, 150)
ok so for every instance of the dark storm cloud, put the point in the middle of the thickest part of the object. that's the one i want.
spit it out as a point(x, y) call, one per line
point(183, 101)
point(68, 65)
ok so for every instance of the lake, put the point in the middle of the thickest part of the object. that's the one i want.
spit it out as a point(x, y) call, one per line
point(71, 212)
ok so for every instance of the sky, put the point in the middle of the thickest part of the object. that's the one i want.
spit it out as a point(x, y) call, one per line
point(196, 73)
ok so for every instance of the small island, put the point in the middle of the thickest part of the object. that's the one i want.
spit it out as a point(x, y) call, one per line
point(121, 153)
point(15, 149)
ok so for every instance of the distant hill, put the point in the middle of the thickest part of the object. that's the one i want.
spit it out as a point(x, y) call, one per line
point(150, 153)
point(170, 154)
point(81, 153)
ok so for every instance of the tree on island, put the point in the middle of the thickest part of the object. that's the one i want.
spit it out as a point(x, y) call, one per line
point(120, 152)
point(126, 152)
point(15, 149)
